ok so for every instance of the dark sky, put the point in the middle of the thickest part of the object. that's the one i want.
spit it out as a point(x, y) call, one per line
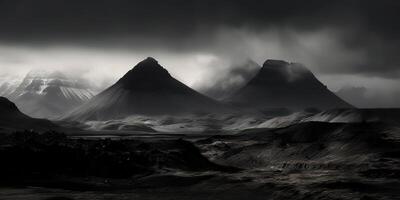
point(356, 42)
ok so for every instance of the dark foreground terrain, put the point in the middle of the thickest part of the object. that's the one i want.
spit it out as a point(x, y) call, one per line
point(313, 160)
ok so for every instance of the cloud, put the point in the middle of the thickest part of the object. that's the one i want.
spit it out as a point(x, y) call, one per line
point(101, 68)
point(363, 97)
point(201, 41)
point(343, 36)
point(226, 80)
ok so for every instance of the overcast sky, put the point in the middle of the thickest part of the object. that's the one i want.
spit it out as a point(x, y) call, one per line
point(351, 46)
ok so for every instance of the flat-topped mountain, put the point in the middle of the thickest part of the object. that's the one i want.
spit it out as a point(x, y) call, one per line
point(147, 89)
point(280, 84)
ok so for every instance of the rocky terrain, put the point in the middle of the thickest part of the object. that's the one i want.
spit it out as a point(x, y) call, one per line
point(311, 160)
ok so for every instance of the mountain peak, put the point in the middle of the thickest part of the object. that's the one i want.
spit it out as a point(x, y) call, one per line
point(273, 72)
point(280, 71)
point(275, 63)
point(284, 65)
point(146, 75)
point(150, 60)
point(148, 67)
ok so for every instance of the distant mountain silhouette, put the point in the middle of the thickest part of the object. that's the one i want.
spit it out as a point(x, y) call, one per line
point(280, 84)
point(146, 89)
point(49, 94)
point(13, 119)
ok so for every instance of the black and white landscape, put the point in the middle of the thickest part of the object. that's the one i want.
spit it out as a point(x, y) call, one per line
point(199, 100)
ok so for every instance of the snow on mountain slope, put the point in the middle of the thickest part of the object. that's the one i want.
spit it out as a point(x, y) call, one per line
point(76, 93)
point(38, 82)
point(8, 85)
point(49, 94)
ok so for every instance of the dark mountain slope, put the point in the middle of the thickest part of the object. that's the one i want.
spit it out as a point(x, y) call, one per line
point(290, 85)
point(146, 89)
point(12, 119)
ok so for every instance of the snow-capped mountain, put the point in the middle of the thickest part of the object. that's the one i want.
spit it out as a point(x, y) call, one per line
point(50, 94)
point(8, 84)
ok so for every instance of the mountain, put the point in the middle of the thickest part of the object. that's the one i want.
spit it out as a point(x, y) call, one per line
point(13, 119)
point(7, 88)
point(49, 94)
point(8, 84)
point(280, 84)
point(146, 89)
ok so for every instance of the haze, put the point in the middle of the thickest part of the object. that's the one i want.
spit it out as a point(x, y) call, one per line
point(351, 46)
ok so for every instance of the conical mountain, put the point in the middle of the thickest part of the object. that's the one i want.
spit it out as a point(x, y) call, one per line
point(280, 84)
point(147, 89)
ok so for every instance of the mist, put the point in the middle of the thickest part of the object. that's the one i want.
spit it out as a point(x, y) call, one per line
point(205, 44)
point(206, 68)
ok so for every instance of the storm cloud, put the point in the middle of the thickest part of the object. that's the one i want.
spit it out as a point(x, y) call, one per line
point(194, 39)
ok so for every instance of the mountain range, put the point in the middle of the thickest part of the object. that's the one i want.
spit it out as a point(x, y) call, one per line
point(47, 94)
point(150, 132)
point(149, 89)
